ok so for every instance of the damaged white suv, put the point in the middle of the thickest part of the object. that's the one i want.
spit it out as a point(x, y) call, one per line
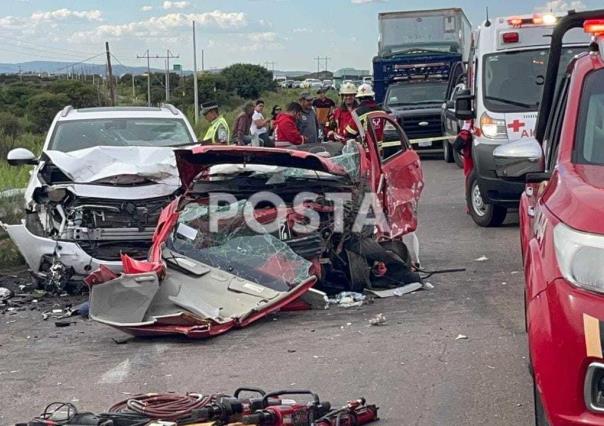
point(97, 189)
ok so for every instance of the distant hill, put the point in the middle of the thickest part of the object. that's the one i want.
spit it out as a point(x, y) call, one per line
point(57, 67)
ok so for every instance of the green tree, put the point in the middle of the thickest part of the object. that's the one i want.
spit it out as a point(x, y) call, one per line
point(80, 94)
point(248, 80)
point(43, 107)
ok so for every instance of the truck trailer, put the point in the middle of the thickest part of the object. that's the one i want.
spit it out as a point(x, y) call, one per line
point(419, 52)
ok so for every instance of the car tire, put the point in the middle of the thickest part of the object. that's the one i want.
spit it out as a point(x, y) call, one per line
point(448, 152)
point(483, 214)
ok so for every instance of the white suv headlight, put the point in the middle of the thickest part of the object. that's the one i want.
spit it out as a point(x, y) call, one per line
point(580, 257)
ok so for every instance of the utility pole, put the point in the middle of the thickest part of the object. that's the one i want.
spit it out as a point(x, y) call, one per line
point(318, 59)
point(146, 56)
point(168, 57)
point(133, 89)
point(110, 72)
point(167, 64)
point(326, 60)
point(202, 61)
point(195, 92)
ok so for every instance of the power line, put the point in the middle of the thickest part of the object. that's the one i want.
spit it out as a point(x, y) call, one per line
point(167, 58)
point(78, 63)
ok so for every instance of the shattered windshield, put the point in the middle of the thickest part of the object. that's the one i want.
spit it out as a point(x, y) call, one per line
point(156, 132)
point(261, 258)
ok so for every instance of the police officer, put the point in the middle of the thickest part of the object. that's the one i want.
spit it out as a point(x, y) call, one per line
point(218, 132)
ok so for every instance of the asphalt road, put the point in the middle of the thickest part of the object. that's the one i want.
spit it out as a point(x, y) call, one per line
point(413, 367)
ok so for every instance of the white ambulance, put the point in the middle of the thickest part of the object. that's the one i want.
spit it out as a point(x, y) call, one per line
point(505, 81)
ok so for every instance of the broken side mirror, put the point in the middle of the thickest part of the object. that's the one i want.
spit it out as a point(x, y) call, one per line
point(463, 105)
point(516, 159)
point(20, 157)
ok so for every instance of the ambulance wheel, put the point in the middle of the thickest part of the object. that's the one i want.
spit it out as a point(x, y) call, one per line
point(448, 152)
point(458, 158)
point(483, 214)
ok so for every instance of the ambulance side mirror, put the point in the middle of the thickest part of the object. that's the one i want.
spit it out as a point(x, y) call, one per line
point(463, 105)
point(514, 160)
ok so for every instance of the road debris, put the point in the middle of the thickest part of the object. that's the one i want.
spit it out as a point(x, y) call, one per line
point(481, 259)
point(461, 337)
point(398, 291)
point(62, 324)
point(379, 319)
point(5, 294)
point(348, 299)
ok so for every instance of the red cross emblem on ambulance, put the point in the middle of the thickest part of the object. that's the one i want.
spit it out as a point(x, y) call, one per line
point(516, 125)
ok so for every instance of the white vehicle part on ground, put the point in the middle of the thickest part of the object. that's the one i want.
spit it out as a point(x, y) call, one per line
point(33, 248)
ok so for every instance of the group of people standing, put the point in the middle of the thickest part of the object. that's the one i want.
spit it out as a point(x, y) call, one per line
point(309, 120)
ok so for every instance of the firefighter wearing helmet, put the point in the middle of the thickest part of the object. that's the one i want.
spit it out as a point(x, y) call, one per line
point(365, 96)
point(343, 113)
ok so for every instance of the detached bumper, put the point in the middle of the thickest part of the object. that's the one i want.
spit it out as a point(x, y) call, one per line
point(566, 326)
point(33, 248)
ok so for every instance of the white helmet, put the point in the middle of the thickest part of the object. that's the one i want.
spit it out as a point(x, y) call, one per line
point(348, 88)
point(365, 91)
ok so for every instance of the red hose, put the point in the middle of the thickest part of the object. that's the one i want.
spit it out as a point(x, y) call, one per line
point(171, 407)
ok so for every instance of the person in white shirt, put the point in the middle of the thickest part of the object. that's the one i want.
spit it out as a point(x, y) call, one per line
point(259, 127)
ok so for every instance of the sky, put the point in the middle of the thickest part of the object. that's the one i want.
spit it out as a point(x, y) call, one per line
point(288, 33)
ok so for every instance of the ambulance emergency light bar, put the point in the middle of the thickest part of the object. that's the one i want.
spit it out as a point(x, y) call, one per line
point(537, 19)
point(426, 71)
point(594, 26)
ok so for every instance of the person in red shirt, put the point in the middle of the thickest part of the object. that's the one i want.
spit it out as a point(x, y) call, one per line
point(286, 129)
point(343, 113)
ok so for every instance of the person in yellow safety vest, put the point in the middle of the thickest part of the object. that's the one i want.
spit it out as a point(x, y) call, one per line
point(218, 132)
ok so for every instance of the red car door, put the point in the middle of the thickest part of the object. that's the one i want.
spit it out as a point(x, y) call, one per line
point(400, 180)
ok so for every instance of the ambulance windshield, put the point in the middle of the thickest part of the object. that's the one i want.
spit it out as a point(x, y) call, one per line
point(513, 81)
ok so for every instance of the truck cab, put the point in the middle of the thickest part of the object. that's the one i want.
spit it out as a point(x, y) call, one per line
point(506, 76)
point(417, 56)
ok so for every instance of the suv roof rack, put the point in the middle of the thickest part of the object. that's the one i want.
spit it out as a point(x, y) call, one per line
point(65, 111)
point(171, 107)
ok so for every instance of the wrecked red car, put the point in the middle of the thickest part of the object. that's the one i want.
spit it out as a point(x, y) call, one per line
point(259, 229)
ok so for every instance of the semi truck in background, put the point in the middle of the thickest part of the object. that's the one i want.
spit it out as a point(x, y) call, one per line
point(419, 52)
